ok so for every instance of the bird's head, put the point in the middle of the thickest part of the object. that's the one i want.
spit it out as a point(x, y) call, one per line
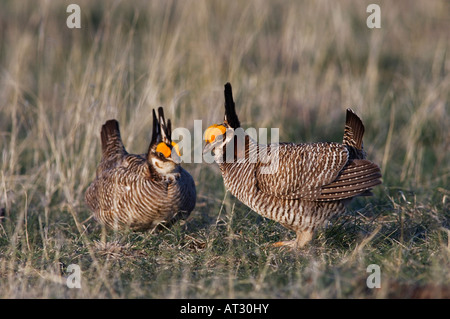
point(218, 135)
point(163, 154)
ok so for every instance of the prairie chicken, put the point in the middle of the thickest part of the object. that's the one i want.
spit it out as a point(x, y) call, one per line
point(311, 183)
point(140, 191)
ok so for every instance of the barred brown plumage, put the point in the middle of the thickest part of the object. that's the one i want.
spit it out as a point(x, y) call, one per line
point(311, 183)
point(140, 191)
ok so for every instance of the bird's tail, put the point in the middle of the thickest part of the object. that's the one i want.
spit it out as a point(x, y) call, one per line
point(111, 140)
point(353, 135)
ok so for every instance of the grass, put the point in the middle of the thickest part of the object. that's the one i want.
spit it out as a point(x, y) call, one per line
point(296, 66)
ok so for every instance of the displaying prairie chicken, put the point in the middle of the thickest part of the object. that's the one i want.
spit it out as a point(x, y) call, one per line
point(300, 186)
point(140, 191)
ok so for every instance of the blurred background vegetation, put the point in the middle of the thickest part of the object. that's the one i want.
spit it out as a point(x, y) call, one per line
point(293, 65)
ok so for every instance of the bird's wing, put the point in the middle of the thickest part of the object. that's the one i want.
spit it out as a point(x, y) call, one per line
point(117, 185)
point(300, 170)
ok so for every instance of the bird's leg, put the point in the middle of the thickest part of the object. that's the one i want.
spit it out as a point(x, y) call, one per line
point(303, 237)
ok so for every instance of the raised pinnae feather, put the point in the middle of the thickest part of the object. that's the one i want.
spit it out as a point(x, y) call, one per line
point(156, 130)
point(166, 133)
point(169, 129)
point(230, 109)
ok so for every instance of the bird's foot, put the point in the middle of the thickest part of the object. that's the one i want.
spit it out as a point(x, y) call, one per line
point(303, 237)
point(288, 244)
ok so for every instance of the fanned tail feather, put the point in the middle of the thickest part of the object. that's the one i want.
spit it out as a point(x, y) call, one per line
point(353, 135)
point(110, 136)
point(356, 179)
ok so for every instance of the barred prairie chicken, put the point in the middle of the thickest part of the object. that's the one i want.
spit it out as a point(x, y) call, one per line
point(300, 186)
point(140, 191)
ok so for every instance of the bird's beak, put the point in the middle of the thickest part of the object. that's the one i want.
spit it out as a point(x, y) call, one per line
point(208, 147)
point(175, 157)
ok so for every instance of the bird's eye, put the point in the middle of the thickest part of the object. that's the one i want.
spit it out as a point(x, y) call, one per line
point(163, 150)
